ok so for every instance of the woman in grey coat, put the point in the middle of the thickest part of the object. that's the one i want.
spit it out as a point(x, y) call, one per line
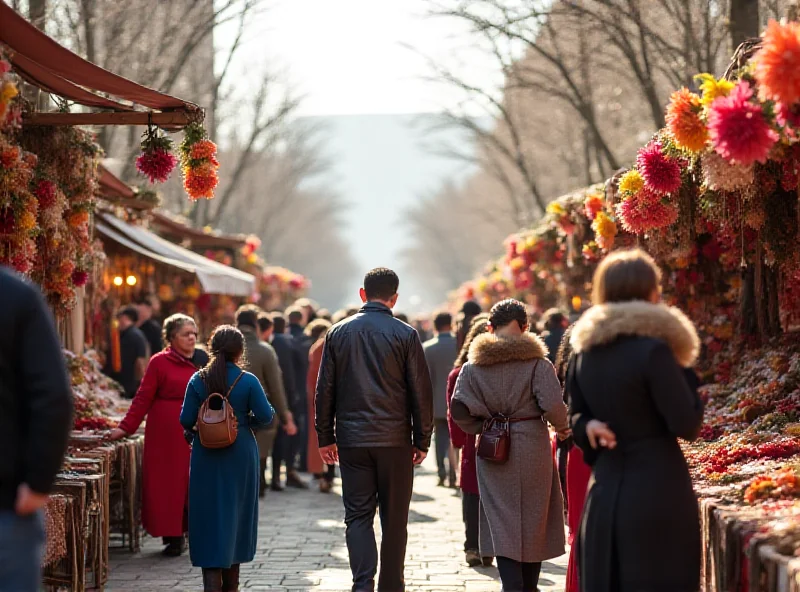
point(508, 374)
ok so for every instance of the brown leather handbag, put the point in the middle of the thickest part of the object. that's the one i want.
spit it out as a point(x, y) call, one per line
point(494, 442)
point(218, 428)
point(495, 439)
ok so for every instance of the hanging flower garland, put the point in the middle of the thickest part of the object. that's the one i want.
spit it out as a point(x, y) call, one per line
point(156, 162)
point(199, 163)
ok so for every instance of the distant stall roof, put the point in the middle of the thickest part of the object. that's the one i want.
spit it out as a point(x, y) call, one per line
point(41, 61)
point(215, 278)
point(197, 238)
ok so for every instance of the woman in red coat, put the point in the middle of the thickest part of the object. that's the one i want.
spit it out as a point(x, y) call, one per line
point(316, 330)
point(470, 498)
point(578, 473)
point(165, 466)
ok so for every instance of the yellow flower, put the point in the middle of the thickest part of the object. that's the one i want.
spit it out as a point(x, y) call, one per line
point(482, 285)
point(530, 242)
point(27, 221)
point(517, 264)
point(713, 88)
point(8, 92)
point(631, 183)
point(604, 226)
point(555, 208)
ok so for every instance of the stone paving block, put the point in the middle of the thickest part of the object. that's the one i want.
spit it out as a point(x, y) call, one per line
point(301, 546)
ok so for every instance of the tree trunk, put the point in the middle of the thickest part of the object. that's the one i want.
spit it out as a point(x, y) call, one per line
point(744, 23)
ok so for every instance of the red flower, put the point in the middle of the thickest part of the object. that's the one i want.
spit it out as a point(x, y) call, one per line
point(156, 164)
point(7, 222)
point(79, 278)
point(45, 192)
point(645, 211)
point(738, 129)
point(661, 173)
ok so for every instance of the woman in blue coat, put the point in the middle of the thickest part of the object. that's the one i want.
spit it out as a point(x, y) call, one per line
point(223, 482)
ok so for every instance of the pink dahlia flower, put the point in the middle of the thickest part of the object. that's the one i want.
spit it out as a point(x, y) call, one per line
point(739, 131)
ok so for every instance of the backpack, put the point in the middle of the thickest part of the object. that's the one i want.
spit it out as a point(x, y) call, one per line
point(217, 428)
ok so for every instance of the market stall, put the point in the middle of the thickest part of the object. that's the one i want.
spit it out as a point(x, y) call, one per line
point(714, 198)
point(50, 182)
point(275, 287)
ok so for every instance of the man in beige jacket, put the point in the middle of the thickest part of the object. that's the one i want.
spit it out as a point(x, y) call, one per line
point(262, 361)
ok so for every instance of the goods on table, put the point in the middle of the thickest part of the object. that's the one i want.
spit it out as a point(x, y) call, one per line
point(98, 398)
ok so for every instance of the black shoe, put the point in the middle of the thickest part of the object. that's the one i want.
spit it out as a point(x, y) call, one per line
point(473, 558)
point(488, 561)
point(441, 482)
point(175, 548)
point(276, 486)
point(293, 480)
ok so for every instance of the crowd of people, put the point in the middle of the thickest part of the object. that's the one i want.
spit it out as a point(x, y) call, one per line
point(571, 420)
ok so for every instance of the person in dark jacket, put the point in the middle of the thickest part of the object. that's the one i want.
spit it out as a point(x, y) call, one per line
point(133, 351)
point(554, 323)
point(262, 362)
point(440, 354)
point(374, 415)
point(630, 402)
point(302, 345)
point(285, 448)
point(36, 399)
point(149, 325)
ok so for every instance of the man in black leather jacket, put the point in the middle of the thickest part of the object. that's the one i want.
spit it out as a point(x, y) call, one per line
point(374, 415)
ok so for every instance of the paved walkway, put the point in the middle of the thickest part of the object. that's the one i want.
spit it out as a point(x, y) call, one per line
point(301, 547)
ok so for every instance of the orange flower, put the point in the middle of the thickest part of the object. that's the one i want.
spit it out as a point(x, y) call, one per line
point(200, 185)
point(684, 123)
point(202, 150)
point(78, 219)
point(778, 63)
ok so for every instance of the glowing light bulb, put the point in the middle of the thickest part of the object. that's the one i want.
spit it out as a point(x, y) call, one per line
point(576, 303)
point(131, 280)
point(118, 280)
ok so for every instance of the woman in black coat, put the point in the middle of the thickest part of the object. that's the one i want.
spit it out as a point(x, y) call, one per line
point(631, 400)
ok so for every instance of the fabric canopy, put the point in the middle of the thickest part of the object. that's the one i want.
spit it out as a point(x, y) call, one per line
point(117, 237)
point(215, 278)
point(52, 67)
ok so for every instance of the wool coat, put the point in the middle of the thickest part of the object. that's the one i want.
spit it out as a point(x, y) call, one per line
point(165, 464)
point(640, 527)
point(315, 466)
point(223, 483)
point(522, 509)
point(262, 362)
point(440, 354)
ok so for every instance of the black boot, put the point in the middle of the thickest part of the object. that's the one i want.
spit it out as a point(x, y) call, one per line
point(212, 580)
point(230, 579)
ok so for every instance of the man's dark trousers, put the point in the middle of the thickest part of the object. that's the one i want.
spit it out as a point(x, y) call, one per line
point(382, 478)
point(442, 431)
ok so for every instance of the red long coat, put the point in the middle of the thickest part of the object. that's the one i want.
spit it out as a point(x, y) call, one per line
point(460, 439)
point(314, 361)
point(165, 466)
point(578, 475)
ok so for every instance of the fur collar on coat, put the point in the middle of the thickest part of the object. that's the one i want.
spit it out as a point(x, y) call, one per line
point(602, 324)
point(488, 349)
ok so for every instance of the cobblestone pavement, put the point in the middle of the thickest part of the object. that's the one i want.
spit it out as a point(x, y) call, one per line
point(301, 546)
